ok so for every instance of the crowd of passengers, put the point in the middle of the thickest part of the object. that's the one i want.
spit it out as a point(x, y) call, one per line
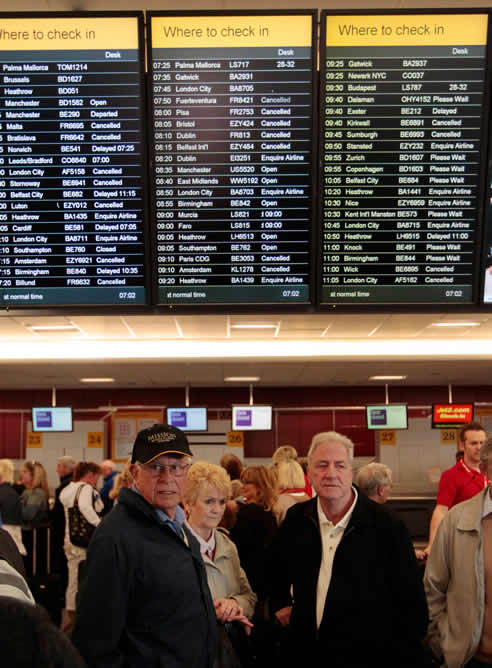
point(193, 565)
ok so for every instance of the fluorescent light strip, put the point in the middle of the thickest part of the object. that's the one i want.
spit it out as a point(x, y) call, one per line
point(387, 377)
point(54, 328)
point(244, 349)
point(254, 326)
point(456, 324)
point(241, 379)
point(97, 380)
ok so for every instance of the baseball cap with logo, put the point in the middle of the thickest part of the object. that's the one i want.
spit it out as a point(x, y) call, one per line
point(160, 439)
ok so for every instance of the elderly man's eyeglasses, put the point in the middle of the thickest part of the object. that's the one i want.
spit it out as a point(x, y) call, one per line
point(155, 469)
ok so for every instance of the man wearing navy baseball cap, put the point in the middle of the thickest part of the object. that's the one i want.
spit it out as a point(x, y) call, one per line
point(145, 600)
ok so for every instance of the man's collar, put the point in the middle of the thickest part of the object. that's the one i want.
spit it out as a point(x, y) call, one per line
point(342, 523)
point(178, 520)
point(487, 504)
point(469, 469)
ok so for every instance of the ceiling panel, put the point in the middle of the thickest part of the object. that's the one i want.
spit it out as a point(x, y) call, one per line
point(203, 326)
point(403, 326)
point(153, 326)
point(100, 327)
point(353, 326)
point(11, 329)
point(190, 329)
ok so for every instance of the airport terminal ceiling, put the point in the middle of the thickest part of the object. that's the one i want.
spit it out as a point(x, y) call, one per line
point(282, 350)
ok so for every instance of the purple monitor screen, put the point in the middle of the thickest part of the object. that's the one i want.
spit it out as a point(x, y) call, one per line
point(178, 419)
point(243, 418)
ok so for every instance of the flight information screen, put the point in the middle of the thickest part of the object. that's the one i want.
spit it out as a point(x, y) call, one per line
point(232, 117)
point(486, 278)
point(401, 127)
point(71, 161)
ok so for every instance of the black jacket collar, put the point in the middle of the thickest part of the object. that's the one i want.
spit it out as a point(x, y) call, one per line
point(362, 514)
point(137, 505)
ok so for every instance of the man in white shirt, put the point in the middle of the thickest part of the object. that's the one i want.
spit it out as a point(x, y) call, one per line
point(357, 596)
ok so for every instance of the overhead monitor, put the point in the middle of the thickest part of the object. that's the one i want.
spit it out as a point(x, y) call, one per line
point(231, 111)
point(387, 416)
point(402, 154)
point(251, 418)
point(188, 419)
point(57, 418)
point(451, 416)
point(72, 161)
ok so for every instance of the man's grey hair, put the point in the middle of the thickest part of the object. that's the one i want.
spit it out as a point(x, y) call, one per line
point(486, 450)
point(68, 461)
point(373, 475)
point(324, 437)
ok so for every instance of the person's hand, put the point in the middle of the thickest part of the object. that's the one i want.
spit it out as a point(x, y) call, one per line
point(421, 554)
point(246, 624)
point(283, 615)
point(227, 610)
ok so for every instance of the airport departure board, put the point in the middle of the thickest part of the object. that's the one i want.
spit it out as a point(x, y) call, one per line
point(71, 160)
point(486, 277)
point(232, 116)
point(401, 128)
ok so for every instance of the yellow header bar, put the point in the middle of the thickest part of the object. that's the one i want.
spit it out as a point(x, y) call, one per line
point(47, 34)
point(177, 32)
point(407, 29)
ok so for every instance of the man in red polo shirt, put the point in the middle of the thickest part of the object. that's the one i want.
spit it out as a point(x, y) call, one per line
point(461, 481)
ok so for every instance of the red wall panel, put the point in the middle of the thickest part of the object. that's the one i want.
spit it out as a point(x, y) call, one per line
point(12, 445)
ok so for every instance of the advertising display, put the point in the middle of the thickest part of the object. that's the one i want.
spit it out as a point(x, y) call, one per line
point(451, 416)
point(71, 160)
point(401, 164)
point(232, 118)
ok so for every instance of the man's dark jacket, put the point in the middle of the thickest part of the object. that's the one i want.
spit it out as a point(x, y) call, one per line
point(144, 601)
point(375, 612)
point(57, 515)
point(10, 505)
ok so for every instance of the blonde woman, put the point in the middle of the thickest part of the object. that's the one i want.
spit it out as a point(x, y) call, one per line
point(121, 480)
point(206, 492)
point(10, 504)
point(290, 484)
point(287, 453)
point(34, 498)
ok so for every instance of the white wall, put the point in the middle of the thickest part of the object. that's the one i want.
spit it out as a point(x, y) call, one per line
point(74, 443)
point(210, 446)
point(418, 458)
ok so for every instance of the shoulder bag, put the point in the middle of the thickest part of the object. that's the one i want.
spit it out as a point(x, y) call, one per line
point(80, 529)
